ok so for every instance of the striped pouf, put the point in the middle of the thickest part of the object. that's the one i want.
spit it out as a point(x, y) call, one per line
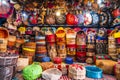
point(41, 50)
point(91, 34)
point(81, 46)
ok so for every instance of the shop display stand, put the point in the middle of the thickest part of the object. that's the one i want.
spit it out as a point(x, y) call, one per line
point(49, 16)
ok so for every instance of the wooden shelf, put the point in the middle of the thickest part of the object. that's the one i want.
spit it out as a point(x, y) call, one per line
point(81, 26)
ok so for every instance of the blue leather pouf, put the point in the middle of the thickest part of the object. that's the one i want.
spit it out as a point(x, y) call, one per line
point(46, 59)
point(69, 60)
point(38, 57)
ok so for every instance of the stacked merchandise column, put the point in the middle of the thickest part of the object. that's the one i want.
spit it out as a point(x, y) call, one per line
point(13, 50)
point(81, 46)
point(61, 43)
point(51, 45)
point(19, 41)
point(117, 37)
point(11, 43)
point(112, 46)
point(28, 50)
point(118, 50)
point(4, 35)
point(71, 43)
point(7, 61)
point(41, 50)
point(90, 46)
point(101, 42)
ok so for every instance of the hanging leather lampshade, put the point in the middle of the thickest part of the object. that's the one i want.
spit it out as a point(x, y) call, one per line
point(110, 17)
point(60, 19)
point(50, 19)
point(87, 18)
point(70, 19)
point(80, 18)
point(33, 19)
point(95, 18)
point(116, 13)
point(103, 18)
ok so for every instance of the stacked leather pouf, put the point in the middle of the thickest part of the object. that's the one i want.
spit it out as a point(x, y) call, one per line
point(118, 50)
point(112, 46)
point(101, 41)
point(41, 50)
point(19, 41)
point(11, 41)
point(51, 45)
point(90, 46)
point(61, 43)
point(28, 50)
point(81, 46)
point(4, 35)
point(71, 43)
point(117, 37)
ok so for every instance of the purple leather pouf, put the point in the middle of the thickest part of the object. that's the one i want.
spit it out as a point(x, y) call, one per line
point(80, 19)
